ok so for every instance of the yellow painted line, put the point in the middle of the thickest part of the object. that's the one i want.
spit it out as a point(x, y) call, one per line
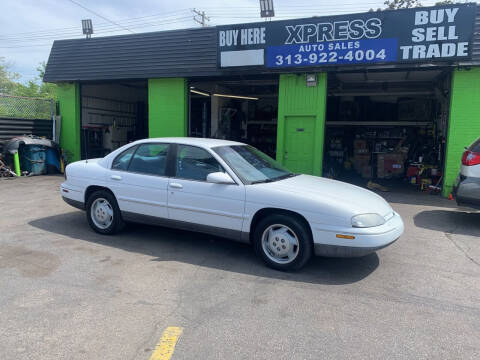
point(166, 346)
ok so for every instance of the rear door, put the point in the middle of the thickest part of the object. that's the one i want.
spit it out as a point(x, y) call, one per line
point(138, 179)
point(193, 200)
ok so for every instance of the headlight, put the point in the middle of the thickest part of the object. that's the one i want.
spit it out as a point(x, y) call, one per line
point(367, 220)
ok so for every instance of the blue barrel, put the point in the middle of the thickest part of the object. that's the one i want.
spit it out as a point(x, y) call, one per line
point(32, 158)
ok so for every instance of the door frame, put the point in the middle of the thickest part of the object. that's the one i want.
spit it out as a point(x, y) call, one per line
point(295, 98)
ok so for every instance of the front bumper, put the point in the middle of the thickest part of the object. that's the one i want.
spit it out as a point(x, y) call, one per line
point(366, 241)
point(346, 251)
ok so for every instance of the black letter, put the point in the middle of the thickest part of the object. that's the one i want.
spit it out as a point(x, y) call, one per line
point(373, 28)
point(324, 32)
point(356, 29)
point(294, 36)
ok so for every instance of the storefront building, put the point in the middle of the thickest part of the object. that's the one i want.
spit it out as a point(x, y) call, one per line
point(378, 95)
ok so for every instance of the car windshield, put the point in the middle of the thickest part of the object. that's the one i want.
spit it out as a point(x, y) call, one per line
point(251, 165)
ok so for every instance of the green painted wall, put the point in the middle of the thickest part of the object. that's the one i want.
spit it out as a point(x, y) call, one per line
point(297, 100)
point(464, 121)
point(167, 107)
point(68, 95)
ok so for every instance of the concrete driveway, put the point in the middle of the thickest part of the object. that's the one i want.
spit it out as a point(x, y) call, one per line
point(69, 293)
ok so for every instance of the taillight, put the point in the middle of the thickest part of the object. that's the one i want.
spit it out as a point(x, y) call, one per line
point(470, 158)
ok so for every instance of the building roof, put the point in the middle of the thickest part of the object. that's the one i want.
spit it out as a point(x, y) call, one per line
point(174, 53)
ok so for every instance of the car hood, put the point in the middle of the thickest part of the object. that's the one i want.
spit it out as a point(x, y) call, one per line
point(336, 193)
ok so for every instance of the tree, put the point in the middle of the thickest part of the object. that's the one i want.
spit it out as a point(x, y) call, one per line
point(8, 79)
point(10, 83)
point(401, 4)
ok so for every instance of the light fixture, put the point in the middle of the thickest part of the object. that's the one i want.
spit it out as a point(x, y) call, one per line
point(87, 28)
point(236, 96)
point(266, 9)
point(199, 92)
point(311, 80)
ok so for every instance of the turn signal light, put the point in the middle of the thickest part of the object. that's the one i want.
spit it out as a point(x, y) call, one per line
point(349, 237)
point(470, 158)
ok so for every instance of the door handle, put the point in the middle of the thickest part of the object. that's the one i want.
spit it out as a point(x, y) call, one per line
point(176, 186)
point(116, 177)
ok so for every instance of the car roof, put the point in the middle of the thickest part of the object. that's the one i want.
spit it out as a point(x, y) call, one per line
point(203, 142)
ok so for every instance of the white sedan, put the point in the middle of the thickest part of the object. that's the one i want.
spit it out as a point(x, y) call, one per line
point(231, 190)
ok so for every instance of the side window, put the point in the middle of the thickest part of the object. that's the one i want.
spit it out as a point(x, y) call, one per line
point(194, 163)
point(121, 161)
point(150, 159)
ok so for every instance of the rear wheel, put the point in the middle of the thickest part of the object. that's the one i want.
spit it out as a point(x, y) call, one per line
point(103, 214)
point(284, 242)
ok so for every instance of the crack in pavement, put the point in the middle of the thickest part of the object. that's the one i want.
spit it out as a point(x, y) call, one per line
point(449, 236)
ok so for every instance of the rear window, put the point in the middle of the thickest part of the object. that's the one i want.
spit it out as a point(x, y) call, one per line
point(475, 146)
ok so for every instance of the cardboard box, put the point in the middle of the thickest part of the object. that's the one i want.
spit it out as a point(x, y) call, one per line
point(390, 165)
point(360, 162)
point(361, 152)
point(360, 144)
point(367, 172)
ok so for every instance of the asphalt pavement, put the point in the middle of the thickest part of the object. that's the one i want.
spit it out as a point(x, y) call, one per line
point(69, 293)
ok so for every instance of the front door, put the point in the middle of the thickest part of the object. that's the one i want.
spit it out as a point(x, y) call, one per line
point(299, 143)
point(191, 199)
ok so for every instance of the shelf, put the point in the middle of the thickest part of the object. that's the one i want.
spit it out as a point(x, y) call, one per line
point(378, 123)
point(261, 123)
point(383, 138)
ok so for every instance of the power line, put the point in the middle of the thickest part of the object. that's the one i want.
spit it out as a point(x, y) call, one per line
point(101, 24)
point(80, 36)
point(105, 29)
point(101, 16)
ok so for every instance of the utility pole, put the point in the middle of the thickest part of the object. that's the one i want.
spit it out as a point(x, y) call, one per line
point(203, 18)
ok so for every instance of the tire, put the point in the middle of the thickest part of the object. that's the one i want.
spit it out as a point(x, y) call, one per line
point(288, 236)
point(108, 220)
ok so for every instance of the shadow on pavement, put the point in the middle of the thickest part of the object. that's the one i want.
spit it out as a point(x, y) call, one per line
point(207, 251)
point(449, 221)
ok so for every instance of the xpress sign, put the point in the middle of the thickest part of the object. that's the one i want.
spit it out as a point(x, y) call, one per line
point(413, 35)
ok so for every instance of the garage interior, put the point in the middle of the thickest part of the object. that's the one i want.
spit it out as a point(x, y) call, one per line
point(239, 109)
point(112, 115)
point(387, 127)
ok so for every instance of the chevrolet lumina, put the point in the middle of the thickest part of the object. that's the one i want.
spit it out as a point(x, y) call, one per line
point(231, 190)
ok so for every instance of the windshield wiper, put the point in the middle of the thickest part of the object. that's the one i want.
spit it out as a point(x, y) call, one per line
point(286, 176)
point(274, 179)
point(262, 181)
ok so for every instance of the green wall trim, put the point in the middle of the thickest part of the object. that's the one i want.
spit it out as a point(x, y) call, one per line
point(297, 101)
point(464, 121)
point(68, 95)
point(167, 107)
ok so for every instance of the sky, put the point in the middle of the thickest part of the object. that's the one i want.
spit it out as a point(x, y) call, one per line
point(29, 27)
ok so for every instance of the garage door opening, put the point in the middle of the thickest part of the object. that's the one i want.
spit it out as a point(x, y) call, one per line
point(387, 126)
point(112, 115)
point(238, 109)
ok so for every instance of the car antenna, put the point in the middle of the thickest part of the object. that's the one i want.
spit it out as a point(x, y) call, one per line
point(85, 145)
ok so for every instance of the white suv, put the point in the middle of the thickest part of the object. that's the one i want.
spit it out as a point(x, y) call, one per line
point(467, 188)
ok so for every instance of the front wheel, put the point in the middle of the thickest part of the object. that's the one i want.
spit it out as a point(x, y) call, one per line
point(283, 242)
point(103, 214)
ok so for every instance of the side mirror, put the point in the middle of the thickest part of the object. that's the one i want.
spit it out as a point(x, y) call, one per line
point(220, 178)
